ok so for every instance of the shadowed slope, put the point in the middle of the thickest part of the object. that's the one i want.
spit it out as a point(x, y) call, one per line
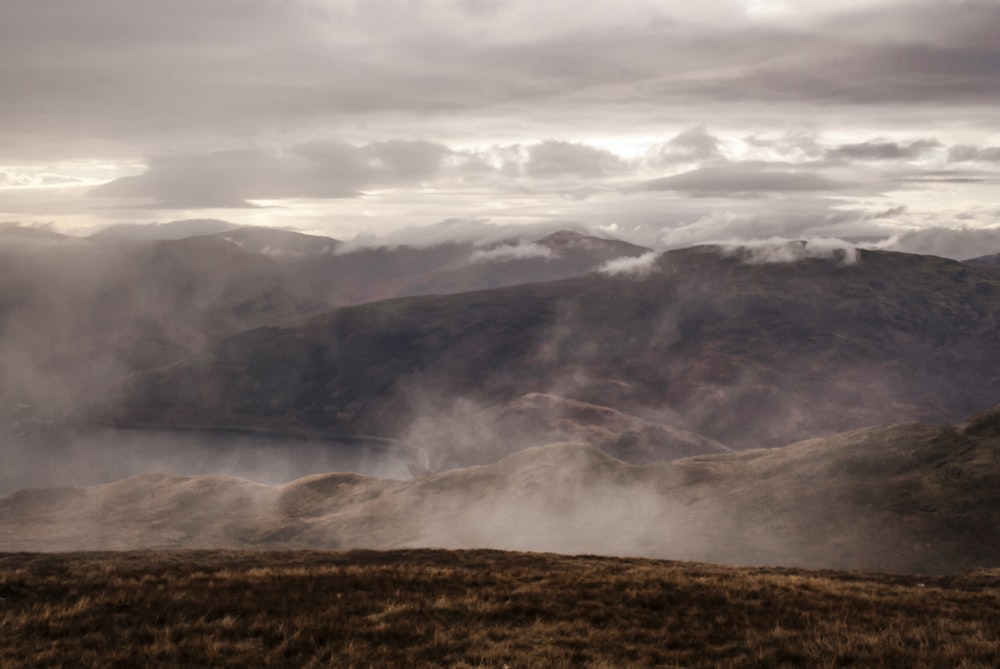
point(744, 353)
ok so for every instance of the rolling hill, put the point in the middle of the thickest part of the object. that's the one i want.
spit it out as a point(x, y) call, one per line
point(908, 497)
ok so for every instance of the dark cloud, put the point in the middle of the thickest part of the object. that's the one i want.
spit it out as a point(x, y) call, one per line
point(742, 178)
point(229, 179)
point(402, 161)
point(953, 176)
point(693, 145)
point(963, 153)
point(891, 212)
point(882, 150)
point(229, 98)
point(553, 158)
point(87, 76)
point(792, 144)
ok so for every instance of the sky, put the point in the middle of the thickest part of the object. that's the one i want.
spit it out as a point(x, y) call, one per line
point(665, 123)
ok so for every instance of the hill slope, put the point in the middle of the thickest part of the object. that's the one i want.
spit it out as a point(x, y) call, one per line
point(479, 609)
point(369, 274)
point(743, 352)
point(896, 498)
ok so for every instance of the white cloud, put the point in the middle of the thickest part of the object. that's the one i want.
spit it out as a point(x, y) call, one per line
point(507, 252)
point(446, 108)
point(777, 250)
point(957, 243)
point(630, 266)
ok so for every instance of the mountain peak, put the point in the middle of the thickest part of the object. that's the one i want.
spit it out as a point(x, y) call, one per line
point(577, 241)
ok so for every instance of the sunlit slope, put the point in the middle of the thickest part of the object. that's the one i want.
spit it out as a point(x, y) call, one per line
point(901, 498)
point(480, 608)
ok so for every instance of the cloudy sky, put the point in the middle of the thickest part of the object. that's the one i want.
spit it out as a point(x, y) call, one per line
point(665, 122)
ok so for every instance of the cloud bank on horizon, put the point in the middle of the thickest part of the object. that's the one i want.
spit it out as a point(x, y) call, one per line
point(666, 123)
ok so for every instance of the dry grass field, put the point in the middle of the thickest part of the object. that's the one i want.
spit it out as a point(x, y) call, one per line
point(479, 608)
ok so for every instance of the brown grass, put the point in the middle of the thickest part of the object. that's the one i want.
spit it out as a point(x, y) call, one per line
point(428, 608)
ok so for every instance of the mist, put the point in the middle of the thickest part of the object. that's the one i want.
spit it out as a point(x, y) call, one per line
point(791, 506)
point(87, 455)
point(207, 392)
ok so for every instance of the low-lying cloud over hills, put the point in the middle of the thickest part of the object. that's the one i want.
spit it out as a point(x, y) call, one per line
point(225, 354)
point(270, 239)
point(751, 347)
point(896, 498)
point(79, 313)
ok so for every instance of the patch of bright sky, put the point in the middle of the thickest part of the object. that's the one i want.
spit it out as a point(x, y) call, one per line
point(799, 12)
point(625, 146)
point(61, 175)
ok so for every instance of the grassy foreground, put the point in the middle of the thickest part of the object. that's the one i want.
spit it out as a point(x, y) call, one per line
point(478, 608)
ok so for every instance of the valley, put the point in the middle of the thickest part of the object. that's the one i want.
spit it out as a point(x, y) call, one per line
point(788, 405)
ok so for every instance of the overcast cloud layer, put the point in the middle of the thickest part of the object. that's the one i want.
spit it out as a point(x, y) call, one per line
point(665, 123)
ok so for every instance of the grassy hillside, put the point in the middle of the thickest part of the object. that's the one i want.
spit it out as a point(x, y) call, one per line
point(905, 498)
point(479, 609)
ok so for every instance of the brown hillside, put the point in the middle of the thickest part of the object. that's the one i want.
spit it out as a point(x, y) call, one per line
point(896, 498)
point(478, 609)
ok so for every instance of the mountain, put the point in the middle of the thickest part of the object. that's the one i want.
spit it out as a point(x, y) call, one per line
point(909, 497)
point(75, 314)
point(23, 233)
point(338, 276)
point(985, 261)
point(172, 230)
point(556, 256)
point(277, 242)
point(370, 274)
point(719, 342)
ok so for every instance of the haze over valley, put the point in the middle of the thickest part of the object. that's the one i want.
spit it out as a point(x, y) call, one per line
point(593, 397)
point(711, 281)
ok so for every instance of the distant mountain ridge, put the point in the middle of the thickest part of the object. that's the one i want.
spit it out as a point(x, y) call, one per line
point(985, 261)
point(77, 313)
point(347, 277)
